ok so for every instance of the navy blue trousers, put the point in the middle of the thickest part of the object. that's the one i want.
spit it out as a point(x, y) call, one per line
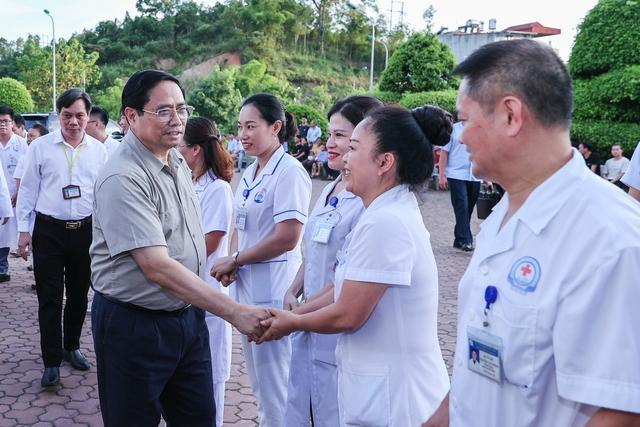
point(464, 195)
point(152, 364)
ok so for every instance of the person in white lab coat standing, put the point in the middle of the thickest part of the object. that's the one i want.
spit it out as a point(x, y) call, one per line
point(390, 366)
point(313, 373)
point(12, 149)
point(212, 170)
point(549, 298)
point(271, 206)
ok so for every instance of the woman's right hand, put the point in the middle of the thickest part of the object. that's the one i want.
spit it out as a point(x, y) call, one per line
point(290, 301)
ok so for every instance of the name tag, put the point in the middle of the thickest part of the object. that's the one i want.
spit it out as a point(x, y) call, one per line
point(485, 353)
point(71, 192)
point(322, 231)
point(241, 218)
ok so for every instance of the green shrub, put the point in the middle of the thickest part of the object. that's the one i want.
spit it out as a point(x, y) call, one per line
point(613, 96)
point(14, 94)
point(445, 99)
point(608, 38)
point(422, 63)
point(299, 110)
point(604, 134)
point(387, 97)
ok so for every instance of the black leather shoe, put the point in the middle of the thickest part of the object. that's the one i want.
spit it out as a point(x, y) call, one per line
point(467, 247)
point(4, 277)
point(50, 377)
point(76, 359)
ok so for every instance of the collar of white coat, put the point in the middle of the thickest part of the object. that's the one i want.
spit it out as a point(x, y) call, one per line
point(269, 169)
point(14, 139)
point(344, 194)
point(544, 202)
point(59, 139)
point(393, 195)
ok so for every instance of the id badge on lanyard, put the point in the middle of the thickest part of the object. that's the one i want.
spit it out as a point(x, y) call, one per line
point(485, 349)
point(241, 218)
point(71, 191)
point(323, 228)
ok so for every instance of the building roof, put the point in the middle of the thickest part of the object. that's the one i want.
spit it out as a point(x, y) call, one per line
point(534, 28)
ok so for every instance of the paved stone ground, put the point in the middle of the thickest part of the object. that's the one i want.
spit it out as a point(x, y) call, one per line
point(75, 403)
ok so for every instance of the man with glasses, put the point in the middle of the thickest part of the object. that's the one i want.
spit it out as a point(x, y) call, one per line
point(97, 128)
point(148, 260)
point(57, 188)
point(12, 148)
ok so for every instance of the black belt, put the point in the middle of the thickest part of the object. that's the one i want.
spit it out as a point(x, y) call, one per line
point(69, 225)
point(142, 309)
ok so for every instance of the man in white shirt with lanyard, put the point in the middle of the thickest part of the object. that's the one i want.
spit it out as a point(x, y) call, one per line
point(57, 187)
point(549, 300)
point(97, 128)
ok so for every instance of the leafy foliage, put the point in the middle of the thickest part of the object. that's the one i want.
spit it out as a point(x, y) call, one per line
point(420, 64)
point(217, 98)
point(603, 134)
point(299, 110)
point(445, 99)
point(614, 96)
point(15, 95)
point(607, 39)
point(111, 98)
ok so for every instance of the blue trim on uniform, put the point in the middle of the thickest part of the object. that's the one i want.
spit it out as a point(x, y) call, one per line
point(290, 210)
point(246, 184)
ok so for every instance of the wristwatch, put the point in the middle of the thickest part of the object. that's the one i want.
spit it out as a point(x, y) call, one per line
point(235, 258)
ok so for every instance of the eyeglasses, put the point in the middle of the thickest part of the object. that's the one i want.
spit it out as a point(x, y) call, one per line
point(5, 122)
point(165, 114)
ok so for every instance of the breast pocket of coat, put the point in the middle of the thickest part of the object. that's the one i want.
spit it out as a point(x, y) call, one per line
point(364, 396)
point(516, 325)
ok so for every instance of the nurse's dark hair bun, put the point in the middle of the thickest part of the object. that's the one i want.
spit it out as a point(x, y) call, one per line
point(410, 135)
point(436, 123)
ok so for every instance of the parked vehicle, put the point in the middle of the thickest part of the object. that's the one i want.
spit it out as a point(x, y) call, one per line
point(52, 122)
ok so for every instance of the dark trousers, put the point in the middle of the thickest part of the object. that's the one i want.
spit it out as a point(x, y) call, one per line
point(464, 195)
point(151, 364)
point(61, 264)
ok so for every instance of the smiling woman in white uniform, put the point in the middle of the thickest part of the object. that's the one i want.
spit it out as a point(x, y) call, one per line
point(313, 373)
point(390, 367)
point(270, 210)
point(212, 169)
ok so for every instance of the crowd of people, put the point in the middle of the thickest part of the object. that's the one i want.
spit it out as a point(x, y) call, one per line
point(337, 304)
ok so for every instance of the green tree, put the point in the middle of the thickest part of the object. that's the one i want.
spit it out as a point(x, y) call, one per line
point(73, 68)
point(252, 78)
point(420, 64)
point(608, 38)
point(15, 95)
point(605, 66)
point(111, 98)
point(217, 98)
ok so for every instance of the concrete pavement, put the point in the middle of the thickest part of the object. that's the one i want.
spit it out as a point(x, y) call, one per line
point(75, 403)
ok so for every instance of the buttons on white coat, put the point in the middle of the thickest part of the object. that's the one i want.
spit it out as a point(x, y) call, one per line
point(484, 269)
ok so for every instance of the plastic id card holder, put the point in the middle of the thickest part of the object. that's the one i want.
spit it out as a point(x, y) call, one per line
point(322, 231)
point(241, 218)
point(485, 353)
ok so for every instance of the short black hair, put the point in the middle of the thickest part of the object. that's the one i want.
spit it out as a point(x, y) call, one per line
point(524, 68)
point(101, 114)
point(135, 93)
point(586, 144)
point(18, 120)
point(70, 96)
point(354, 108)
point(272, 110)
point(41, 128)
point(410, 135)
point(5, 110)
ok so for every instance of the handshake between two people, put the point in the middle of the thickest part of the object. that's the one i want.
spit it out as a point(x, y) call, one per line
point(259, 324)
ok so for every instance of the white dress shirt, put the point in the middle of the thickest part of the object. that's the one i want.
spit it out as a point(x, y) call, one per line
point(47, 172)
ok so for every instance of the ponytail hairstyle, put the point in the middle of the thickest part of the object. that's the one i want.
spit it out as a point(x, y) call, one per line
point(203, 132)
point(411, 135)
point(272, 110)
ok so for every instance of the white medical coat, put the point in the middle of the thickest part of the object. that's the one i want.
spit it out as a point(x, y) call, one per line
point(10, 154)
point(566, 266)
point(313, 373)
point(391, 371)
